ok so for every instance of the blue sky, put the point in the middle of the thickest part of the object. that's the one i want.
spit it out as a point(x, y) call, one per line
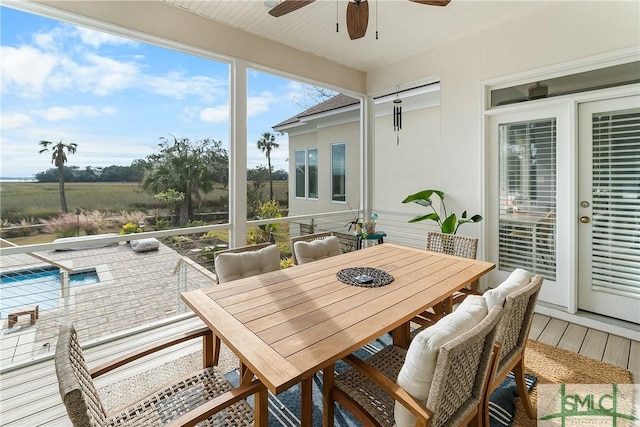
point(116, 97)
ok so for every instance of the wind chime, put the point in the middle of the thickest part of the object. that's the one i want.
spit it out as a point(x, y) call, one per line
point(397, 116)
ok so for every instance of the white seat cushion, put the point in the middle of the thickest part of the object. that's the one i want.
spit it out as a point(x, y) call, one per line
point(516, 280)
point(316, 249)
point(233, 266)
point(417, 372)
point(144, 245)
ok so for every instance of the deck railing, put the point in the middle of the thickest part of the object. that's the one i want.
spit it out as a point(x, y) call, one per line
point(133, 289)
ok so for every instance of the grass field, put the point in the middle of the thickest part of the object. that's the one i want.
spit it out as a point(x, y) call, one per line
point(20, 200)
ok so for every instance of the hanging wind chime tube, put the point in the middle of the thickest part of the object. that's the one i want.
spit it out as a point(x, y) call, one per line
point(397, 117)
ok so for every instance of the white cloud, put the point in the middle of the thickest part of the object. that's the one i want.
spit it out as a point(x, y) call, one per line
point(25, 70)
point(215, 114)
point(74, 112)
point(260, 104)
point(97, 39)
point(105, 75)
point(177, 85)
point(14, 120)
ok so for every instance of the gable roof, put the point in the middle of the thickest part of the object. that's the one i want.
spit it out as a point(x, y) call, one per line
point(335, 103)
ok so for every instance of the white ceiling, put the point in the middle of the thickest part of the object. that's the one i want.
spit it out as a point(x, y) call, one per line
point(405, 28)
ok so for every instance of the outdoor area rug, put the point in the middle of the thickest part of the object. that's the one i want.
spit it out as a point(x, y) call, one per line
point(553, 365)
point(284, 408)
point(548, 364)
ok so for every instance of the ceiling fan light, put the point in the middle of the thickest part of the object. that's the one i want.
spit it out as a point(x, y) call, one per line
point(271, 3)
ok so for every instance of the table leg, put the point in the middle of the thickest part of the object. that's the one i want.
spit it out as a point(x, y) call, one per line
point(327, 402)
point(306, 403)
point(210, 350)
point(402, 335)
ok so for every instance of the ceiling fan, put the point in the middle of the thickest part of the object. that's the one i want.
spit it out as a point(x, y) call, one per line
point(357, 12)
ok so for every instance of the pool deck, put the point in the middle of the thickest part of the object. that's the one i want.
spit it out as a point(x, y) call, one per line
point(135, 290)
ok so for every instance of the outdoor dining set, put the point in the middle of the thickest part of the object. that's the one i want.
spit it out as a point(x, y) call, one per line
point(447, 345)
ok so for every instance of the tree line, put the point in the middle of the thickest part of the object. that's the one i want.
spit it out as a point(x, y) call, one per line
point(179, 172)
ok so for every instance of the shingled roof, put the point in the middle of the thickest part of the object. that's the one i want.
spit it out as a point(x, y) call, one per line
point(337, 102)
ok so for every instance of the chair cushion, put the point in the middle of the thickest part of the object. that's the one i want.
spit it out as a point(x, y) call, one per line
point(143, 245)
point(316, 249)
point(233, 266)
point(417, 372)
point(516, 280)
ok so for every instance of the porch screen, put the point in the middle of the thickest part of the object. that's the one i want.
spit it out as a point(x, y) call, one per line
point(616, 206)
point(528, 196)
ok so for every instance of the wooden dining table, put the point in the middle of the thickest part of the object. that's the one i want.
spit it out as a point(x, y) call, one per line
point(286, 325)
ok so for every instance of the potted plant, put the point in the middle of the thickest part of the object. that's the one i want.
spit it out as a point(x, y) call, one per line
point(450, 223)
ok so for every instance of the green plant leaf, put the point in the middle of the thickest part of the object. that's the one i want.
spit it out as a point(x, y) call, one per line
point(475, 218)
point(422, 197)
point(432, 216)
point(449, 224)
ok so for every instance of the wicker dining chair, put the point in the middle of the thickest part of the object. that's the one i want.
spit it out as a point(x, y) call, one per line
point(204, 397)
point(451, 244)
point(245, 261)
point(311, 247)
point(374, 393)
point(513, 332)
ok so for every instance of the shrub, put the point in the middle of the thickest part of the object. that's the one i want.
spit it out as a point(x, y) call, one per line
point(134, 217)
point(63, 225)
point(94, 222)
point(286, 263)
point(130, 228)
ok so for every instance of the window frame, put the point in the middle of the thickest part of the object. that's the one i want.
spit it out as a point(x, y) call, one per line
point(344, 173)
point(307, 173)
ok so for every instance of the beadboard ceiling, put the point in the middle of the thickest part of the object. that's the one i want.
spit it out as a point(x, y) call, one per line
point(405, 28)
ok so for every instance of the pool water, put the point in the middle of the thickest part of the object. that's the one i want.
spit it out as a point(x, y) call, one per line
point(40, 286)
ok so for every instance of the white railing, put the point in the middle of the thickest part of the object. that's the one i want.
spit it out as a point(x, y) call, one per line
point(133, 289)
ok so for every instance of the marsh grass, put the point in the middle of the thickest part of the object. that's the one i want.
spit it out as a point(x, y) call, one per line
point(20, 200)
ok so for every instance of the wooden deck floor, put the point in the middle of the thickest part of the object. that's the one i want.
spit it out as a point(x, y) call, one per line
point(588, 342)
point(29, 396)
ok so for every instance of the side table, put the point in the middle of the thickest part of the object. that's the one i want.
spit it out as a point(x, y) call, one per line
point(378, 235)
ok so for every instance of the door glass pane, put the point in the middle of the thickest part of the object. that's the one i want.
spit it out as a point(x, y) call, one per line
point(313, 172)
point(338, 173)
point(528, 196)
point(616, 200)
point(300, 173)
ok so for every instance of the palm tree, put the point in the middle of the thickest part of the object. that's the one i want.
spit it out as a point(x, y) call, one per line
point(59, 158)
point(189, 167)
point(265, 144)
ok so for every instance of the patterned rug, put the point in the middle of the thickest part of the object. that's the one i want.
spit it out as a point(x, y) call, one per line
point(284, 408)
point(548, 364)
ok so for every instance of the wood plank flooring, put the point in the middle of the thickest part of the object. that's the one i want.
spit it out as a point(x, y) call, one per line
point(588, 342)
point(29, 396)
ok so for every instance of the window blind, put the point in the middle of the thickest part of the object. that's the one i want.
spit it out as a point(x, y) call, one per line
point(528, 196)
point(616, 201)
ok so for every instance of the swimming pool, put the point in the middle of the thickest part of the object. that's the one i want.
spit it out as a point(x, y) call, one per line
point(39, 286)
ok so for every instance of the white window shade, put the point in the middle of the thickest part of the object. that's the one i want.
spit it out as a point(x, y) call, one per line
point(528, 196)
point(616, 196)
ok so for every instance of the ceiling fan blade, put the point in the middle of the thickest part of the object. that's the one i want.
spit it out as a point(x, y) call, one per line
point(433, 2)
point(357, 19)
point(288, 6)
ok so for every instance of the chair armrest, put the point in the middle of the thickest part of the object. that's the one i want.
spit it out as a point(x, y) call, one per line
point(213, 406)
point(388, 386)
point(161, 345)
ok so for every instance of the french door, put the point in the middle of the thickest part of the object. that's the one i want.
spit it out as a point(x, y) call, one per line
point(609, 208)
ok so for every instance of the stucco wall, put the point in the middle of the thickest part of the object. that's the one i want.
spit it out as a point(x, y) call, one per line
point(566, 31)
point(322, 138)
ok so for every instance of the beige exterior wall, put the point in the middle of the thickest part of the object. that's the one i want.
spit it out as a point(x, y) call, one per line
point(322, 138)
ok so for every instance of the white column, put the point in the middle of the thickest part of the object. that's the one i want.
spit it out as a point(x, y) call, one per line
point(238, 154)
